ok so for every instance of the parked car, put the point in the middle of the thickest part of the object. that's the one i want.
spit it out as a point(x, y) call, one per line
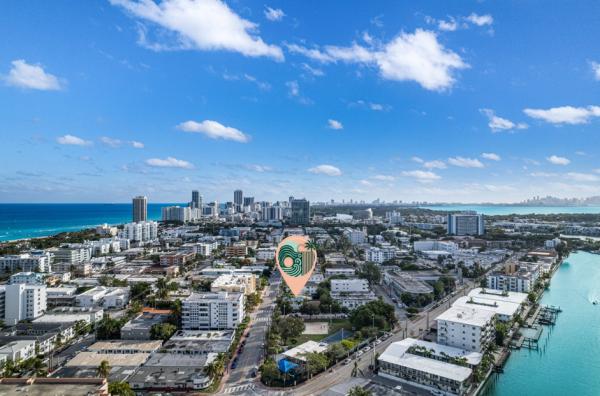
point(347, 361)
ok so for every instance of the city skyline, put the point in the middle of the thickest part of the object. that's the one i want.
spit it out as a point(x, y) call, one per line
point(469, 102)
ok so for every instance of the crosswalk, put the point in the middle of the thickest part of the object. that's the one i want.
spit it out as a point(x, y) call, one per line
point(239, 388)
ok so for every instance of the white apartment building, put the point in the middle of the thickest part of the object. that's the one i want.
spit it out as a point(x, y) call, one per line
point(17, 350)
point(339, 270)
point(182, 214)
point(356, 237)
point(238, 283)
point(466, 328)
point(105, 297)
point(141, 231)
point(349, 286)
point(212, 311)
point(405, 362)
point(353, 300)
point(504, 311)
point(73, 255)
point(71, 314)
point(104, 246)
point(23, 302)
point(25, 262)
point(428, 245)
point(266, 253)
point(28, 278)
point(380, 254)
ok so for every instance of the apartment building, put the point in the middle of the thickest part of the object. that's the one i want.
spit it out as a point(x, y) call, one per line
point(217, 311)
point(466, 328)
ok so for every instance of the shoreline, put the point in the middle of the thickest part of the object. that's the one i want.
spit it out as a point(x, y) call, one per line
point(485, 383)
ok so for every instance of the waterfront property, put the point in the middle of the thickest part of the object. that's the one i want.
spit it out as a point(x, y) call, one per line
point(427, 365)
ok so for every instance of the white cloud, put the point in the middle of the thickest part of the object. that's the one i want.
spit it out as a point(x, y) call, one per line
point(200, 24)
point(417, 159)
point(582, 177)
point(312, 70)
point(422, 176)
point(214, 130)
point(596, 69)
point(73, 141)
point(448, 26)
point(114, 143)
point(465, 162)
point(498, 124)
point(543, 174)
point(384, 177)
point(274, 14)
point(29, 76)
point(565, 114)
point(294, 92)
point(435, 164)
point(328, 170)
point(414, 56)
point(556, 160)
point(491, 156)
point(169, 162)
point(366, 182)
point(258, 168)
point(293, 88)
point(480, 20)
point(334, 124)
point(137, 145)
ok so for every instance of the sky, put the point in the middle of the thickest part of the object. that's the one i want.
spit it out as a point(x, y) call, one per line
point(415, 101)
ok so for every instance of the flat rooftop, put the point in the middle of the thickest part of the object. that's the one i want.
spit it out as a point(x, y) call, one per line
point(409, 284)
point(125, 345)
point(470, 316)
point(93, 359)
point(397, 354)
point(499, 307)
point(498, 295)
point(307, 347)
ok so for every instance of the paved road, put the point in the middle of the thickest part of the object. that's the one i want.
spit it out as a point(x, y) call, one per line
point(70, 351)
point(239, 380)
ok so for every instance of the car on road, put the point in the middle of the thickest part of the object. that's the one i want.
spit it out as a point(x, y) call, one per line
point(347, 361)
point(234, 364)
point(377, 342)
point(359, 353)
point(367, 348)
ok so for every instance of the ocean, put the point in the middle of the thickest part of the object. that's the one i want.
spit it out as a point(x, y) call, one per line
point(18, 221)
point(493, 210)
point(568, 360)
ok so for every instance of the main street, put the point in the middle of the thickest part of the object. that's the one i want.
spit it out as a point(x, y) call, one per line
point(239, 380)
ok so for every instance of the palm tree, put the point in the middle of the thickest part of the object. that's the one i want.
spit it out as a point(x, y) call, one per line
point(104, 369)
point(311, 245)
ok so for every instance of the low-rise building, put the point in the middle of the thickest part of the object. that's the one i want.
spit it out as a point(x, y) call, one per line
point(339, 270)
point(237, 283)
point(139, 327)
point(412, 362)
point(71, 314)
point(27, 278)
point(349, 286)
point(25, 262)
point(466, 328)
point(106, 297)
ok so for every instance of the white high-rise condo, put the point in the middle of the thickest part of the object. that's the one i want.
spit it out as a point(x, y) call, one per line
point(140, 209)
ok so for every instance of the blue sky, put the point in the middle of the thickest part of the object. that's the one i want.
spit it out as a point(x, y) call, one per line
point(472, 101)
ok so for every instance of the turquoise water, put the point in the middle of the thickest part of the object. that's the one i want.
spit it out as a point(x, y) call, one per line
point(19, 221)
point(515, 209)
point(568, 362)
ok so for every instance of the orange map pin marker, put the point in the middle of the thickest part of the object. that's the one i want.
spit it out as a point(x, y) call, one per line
point(296, 258)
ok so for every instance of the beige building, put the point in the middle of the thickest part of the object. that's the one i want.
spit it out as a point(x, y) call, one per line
point(238, 283)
